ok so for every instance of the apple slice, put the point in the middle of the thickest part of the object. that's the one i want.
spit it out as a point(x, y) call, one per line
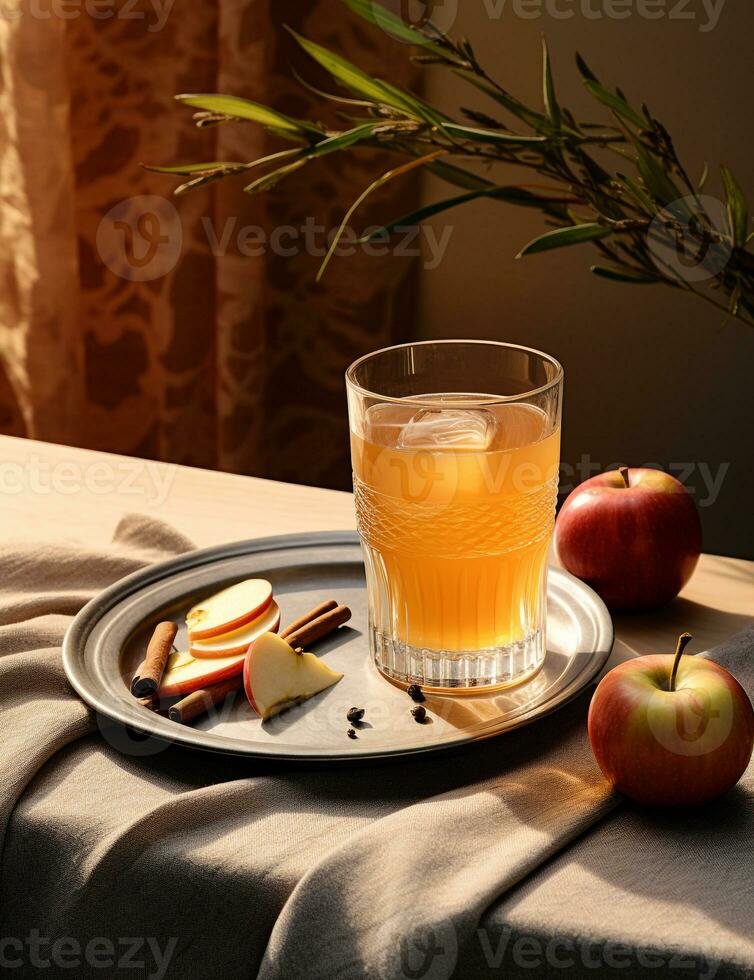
point(238, 641)
point(183, 674)
point(275, 677)
point(229, 610)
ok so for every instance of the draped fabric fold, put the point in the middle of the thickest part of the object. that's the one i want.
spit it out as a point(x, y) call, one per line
point(236, 867)
point(223, 351)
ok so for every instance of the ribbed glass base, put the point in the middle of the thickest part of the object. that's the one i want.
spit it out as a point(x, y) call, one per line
point(458, 671)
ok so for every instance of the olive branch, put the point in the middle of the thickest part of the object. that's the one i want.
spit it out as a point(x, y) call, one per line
point(634, 213)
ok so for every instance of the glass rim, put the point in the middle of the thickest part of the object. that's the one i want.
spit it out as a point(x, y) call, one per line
point(482, 400)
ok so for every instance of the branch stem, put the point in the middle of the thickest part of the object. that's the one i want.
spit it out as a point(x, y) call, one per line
point(683, 640)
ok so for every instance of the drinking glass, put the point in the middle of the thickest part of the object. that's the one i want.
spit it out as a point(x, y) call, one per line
point(455, 448)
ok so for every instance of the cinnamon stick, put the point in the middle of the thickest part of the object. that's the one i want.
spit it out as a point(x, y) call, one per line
point(315, 613)
point(313, 626)
point(199, 702)
point(149, 673)
point(319, 627)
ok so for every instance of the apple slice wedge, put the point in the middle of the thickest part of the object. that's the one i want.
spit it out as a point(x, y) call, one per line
point(238, 641)
point(275, 677)
point(183, 674)
point(229, 610)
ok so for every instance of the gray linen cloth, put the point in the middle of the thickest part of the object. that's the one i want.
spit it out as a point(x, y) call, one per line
point(125, 858)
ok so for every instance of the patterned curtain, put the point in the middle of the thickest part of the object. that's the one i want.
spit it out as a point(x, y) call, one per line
point(196, 335)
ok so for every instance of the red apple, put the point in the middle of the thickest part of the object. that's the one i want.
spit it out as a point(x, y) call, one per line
point(669, 730)
point(633, 535)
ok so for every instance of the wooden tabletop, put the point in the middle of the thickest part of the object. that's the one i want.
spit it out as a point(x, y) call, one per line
point(57, 493)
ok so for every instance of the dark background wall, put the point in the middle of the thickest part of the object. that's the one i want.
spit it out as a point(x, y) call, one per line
point(652, 376)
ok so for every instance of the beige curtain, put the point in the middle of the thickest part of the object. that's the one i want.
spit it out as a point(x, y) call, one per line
point(221, 360)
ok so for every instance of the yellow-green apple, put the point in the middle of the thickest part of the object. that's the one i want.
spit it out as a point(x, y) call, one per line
point(276, 676)
point(238, 641)
point(669, 730)
point(229, 610)
point(633, 535)
point(184, 674)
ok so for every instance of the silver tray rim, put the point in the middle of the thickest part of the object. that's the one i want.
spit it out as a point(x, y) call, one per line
point(128, 713)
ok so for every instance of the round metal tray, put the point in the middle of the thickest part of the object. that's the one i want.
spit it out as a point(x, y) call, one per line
point(106, 642)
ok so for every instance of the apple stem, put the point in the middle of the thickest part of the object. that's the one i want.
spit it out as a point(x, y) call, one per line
point(683, 640)
point(624, 473)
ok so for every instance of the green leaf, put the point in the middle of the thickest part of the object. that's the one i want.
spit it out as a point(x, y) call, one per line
point(343, 140)
point(586, 72)
point(280, 155)
point(573, 235)
point(656, 179)
point(492, 136)
point(232, 105)
point(269, 180)
point(208, 178)
point(536, 120)
point(362, 84)
point(206, 173)
point(704, 177)
point(735, 299)
point(597, 174)
point(551, 103)
point(458, 177)
point(511, 195)
point(330, 145)
point(624, 275)
point(389, 175)
point(638, 193)
point(738, 209)
point(186, 169)
point(615, 102)
point(379, 16)
point(340, 99)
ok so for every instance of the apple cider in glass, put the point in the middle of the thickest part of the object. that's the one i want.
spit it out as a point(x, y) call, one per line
point(455, 500)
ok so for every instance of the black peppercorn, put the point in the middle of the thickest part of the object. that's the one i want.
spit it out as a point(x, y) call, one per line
point(355, 714)
point(351, 733)
point(419, 713)
point(415, 692)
